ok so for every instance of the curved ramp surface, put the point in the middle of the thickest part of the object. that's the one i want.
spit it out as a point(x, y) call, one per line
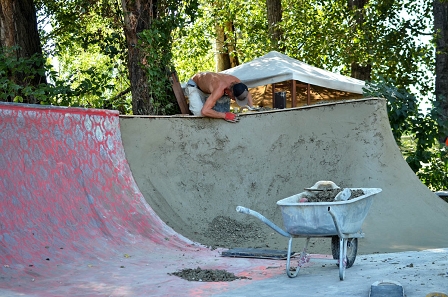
point(73, 221)
point(192, 170)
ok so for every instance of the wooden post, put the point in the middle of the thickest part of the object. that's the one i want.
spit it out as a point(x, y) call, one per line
point(308, 95)
point(293, 94)
point(177, 88)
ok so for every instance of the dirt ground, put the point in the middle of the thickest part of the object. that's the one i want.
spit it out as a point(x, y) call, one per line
point(263, 96)
point(206, 275)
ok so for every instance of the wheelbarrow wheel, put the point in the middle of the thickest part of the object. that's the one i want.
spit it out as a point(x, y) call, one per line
point(352, 250)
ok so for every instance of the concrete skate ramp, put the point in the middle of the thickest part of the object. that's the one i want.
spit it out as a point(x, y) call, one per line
point(192, 170)
point(74, 223)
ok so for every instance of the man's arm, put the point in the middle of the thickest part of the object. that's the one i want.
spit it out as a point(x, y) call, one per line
point(207, 109)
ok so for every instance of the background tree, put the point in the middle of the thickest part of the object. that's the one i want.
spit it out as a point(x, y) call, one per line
point(194, 47)
point(358, 70)
point(148, 29)
point(107, 48)
point(440, 12)
point(225, 34)
point(226, 56)
point(19, 40)
point(274, 16)
point(138, 16)
point(87, 47)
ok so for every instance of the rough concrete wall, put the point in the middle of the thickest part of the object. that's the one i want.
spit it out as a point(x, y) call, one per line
point(193, 169)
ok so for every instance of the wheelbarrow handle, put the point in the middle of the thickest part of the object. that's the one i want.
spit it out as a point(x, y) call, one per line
point(262, 218)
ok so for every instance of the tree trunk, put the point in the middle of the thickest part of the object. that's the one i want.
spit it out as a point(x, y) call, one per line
point(225, 47)
point(18, 27)
point(138, 15)
point(358, 5)
point(361, 72)
point(274, 13)
point(440, 11)
point(222, 54)
point(231, 45)
point(358, 70)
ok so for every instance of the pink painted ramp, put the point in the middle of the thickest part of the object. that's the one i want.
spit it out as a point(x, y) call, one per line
point(73, 222)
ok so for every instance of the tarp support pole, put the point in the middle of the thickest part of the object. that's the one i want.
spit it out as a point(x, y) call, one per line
point(293, 93)
point(308, 96)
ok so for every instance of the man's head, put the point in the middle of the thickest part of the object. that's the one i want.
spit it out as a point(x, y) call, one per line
point(240, 92)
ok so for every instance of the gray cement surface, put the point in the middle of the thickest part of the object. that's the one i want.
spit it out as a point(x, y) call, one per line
point(192, 169)
point(420, 273)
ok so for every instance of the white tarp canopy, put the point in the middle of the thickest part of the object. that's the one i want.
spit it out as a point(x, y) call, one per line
point(275, 67)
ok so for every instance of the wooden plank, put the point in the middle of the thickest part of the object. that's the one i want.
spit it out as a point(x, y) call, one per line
point(177, 88)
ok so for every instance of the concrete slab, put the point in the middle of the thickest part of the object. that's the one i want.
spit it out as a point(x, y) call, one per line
point(73, 221)
point(419, 273)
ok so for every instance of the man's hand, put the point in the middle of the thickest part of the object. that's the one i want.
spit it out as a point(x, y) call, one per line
point(231, 117)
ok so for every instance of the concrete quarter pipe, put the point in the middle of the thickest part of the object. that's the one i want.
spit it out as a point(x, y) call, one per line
point(73, 221)
point(192, 170)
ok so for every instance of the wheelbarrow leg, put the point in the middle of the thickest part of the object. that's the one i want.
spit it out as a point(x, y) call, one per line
point(304, 258)
point(343, 242)
point(288, 262)
point(342, 257)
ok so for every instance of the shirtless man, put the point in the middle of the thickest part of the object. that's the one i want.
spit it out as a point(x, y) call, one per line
point(222, 88)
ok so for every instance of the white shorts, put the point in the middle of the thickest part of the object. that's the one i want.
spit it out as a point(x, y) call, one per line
point(196, 99)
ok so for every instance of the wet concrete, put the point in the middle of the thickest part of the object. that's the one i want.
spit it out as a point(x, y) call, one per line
point(191, 170)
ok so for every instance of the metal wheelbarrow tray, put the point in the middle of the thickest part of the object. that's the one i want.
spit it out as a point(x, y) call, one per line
point(340, 220)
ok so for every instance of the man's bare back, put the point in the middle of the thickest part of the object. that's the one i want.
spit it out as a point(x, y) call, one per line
point(208, 82)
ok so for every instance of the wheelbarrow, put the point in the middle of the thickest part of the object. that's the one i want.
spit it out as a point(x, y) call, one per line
point(340, 220)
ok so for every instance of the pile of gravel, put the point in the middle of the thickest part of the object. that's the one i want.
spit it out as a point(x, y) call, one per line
point(328, 195)
point(206, 275)
point(228, 233)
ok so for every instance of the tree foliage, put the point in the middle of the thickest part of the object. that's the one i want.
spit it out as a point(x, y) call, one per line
point(427, 155)
point(155, 43)
point(28, 69)
point(323, 33)
point(87, 39)
point(20, 45)
point(86, 44)
point(440, 12)
point(194, 45)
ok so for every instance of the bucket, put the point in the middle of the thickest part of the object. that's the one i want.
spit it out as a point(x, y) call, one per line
point(280, 100)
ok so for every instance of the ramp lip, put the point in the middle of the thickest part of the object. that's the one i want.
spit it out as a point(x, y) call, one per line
point(61, 109)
